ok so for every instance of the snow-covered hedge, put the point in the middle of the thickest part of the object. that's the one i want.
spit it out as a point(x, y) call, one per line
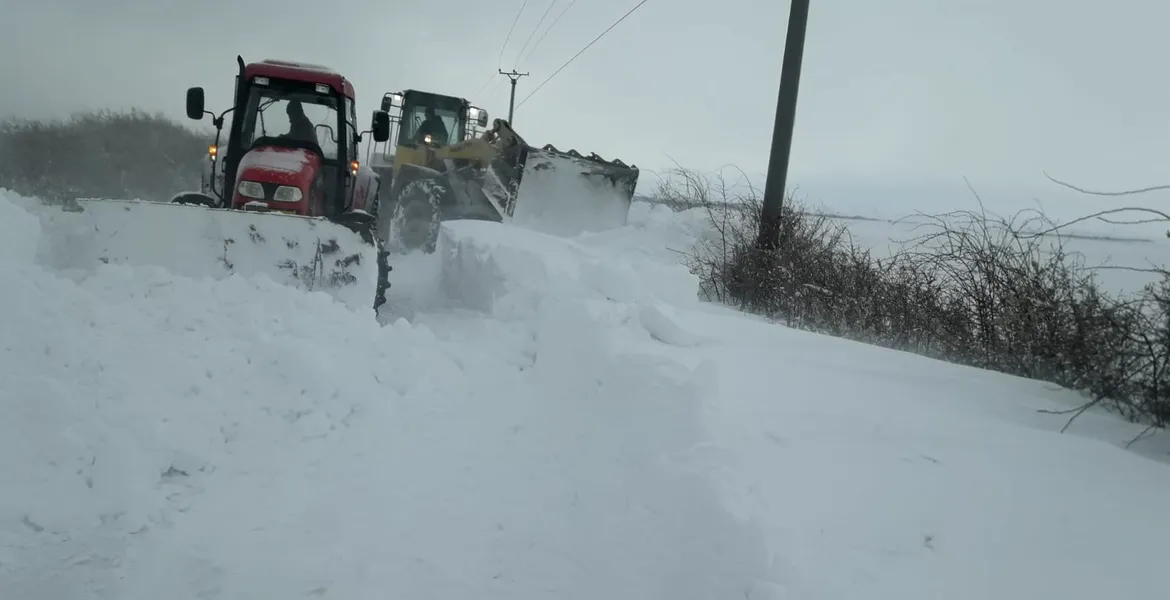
point(103, 154)
point(972, 288)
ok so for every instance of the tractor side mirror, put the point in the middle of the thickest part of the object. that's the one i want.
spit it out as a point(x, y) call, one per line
point(381, 126)
point(195, 103)
point(386, 104)
point(482, 119)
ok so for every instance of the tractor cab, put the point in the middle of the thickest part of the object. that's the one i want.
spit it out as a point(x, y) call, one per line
point(292, 145)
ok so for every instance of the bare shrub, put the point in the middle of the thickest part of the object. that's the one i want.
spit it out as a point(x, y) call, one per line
point(1000, 293)
point(102, 154)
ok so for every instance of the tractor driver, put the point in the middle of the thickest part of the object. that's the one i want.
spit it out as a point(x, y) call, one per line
point(432, 126)
point(299, 126)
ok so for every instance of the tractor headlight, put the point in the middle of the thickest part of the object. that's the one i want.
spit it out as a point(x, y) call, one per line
point(427, 138)
point(287, 193)
point(251, 189)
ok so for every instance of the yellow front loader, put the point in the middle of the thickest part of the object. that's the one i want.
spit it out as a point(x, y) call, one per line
point(447, 164)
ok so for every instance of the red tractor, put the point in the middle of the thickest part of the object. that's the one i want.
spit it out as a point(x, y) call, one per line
point(292, 147)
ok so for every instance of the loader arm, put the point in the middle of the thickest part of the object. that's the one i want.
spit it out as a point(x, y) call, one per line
point(486, 148)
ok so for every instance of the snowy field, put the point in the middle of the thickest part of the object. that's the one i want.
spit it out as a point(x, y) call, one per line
point(1113, 251)
point(530, 417)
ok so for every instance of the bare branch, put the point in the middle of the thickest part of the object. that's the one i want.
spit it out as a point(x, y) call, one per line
point(1156, 188)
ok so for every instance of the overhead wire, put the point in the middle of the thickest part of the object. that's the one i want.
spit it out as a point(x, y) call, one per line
point(523, 59)
point(500, 61)
point(534, 29)
point(503, 46)
point(496, 89)
point(483, 87)
point(582, 51)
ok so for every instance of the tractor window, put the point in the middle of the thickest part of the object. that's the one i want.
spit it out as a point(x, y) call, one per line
point(412, 125)
point(351, 127)
point(272, 109)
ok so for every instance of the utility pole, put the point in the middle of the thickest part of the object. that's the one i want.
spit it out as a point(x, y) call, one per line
point(513, 77)
point(769, 235)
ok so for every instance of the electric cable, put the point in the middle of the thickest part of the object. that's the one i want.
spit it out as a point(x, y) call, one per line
point(545, 34)
point(582, 51)
point(533, 34)
point(500, 61)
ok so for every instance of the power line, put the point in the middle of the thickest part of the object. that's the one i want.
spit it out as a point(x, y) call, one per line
point(483, 87)
point(495, 90)
point(503, 47)
point(533, 34)
point(500, 61)
point(615, 24)
point(545, 34)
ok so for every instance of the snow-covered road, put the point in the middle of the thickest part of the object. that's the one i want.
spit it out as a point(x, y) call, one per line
point(529, 417)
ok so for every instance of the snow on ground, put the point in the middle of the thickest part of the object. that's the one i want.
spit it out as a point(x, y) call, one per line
point(535, 417)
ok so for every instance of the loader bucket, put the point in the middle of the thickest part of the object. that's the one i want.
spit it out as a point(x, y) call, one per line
point(543, 189)
point(567, 193)
point(341, 259)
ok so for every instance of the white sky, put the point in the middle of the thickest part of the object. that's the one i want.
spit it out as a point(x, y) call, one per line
point(900, 99)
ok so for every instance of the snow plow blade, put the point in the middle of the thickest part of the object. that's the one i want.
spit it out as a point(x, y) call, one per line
point(341, 258)
point(568, 193)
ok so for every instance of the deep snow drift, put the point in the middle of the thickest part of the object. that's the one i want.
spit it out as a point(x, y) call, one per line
point(535, 418)
point(192, 241)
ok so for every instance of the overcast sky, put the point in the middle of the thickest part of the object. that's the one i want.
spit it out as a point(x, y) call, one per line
point(905, 96)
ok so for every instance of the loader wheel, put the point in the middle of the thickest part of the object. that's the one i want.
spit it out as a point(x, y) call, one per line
point(415, 224)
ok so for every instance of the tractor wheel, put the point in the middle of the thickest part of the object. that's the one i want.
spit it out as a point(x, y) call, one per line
point(195, 198)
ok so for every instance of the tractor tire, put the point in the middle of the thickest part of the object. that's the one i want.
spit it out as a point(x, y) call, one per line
point(195, 198)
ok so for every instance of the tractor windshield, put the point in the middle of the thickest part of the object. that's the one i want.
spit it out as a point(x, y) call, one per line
point(417, 123)
point(294, 111)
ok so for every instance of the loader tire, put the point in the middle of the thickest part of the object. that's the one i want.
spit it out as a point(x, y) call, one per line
point(415, 224)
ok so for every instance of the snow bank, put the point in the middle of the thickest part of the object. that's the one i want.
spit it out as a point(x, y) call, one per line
point(191, 241)
point(20, 232)
point(492, 267)
point(513, 274)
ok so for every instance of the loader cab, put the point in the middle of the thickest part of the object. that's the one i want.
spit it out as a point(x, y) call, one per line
point(409, 111)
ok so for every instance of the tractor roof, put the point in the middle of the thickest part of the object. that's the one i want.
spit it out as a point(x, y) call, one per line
point(279, 69)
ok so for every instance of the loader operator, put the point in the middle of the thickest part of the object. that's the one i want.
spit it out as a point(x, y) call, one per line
point(432, 126)
point(299, 126)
